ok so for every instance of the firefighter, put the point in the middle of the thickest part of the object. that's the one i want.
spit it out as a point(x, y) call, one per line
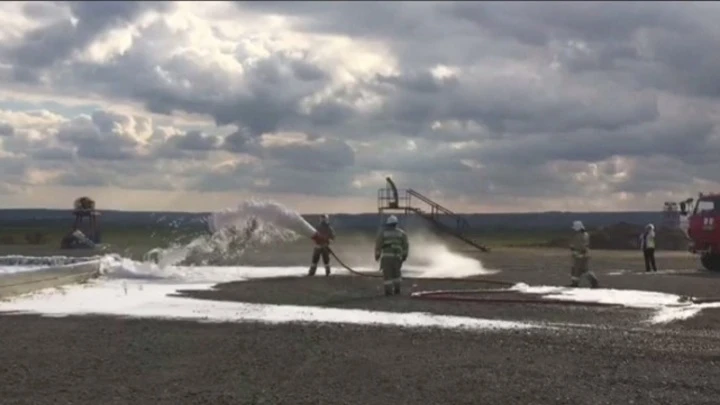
point(391, 249)
point(647, 244)
point(580, 247)
point(323, 235)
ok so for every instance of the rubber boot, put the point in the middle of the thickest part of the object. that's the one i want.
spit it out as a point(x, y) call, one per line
point(327, 270)
point(312, 270)
point(388, 290)
point(594, 282)
point(396, 289)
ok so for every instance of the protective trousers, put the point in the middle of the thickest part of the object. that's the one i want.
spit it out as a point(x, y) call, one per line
point(323, 251)
point(392, 274)
point(649, 255)
point(580, 270)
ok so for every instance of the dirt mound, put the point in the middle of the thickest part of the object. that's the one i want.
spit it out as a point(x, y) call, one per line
point(625, 236)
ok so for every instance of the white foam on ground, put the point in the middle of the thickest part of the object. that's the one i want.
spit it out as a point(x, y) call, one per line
point(143, 299)
point(129, 288)
point(114, 267)
point(669, 307)
point(678, 313)
point(145, 290)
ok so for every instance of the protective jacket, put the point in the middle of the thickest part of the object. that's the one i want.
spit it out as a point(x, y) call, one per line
point(647, 239)
point(325, 233)
point(580, 245)
point(392, 242)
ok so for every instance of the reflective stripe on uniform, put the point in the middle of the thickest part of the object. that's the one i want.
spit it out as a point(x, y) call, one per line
point(390, 254)
point(392, 244)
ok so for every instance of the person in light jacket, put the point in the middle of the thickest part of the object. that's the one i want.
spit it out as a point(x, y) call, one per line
point(647, 244)
point(580, 249)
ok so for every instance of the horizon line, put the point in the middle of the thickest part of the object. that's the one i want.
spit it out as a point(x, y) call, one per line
point(344, 213)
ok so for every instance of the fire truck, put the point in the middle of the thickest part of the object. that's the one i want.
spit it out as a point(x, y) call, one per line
point(699, 220)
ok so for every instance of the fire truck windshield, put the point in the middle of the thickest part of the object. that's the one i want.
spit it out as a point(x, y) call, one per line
point(706, 206)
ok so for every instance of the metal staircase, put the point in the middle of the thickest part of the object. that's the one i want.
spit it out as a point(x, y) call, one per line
point(410, 201)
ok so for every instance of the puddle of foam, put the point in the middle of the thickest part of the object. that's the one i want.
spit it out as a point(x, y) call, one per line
point(629, 298)
point(114, 268)
point(669, 307)
point(524, 288)
point(669, 314)
point(131, 298)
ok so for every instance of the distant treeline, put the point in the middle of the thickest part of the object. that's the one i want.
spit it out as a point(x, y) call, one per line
point(477, 222)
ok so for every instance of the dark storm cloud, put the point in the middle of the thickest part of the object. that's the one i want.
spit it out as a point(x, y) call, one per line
point(196, 141)
point(190, 145)
point(537, 24)
point(44, 46)
point(319, 156)
point(52, 153)
point(84, 179)
point(96, 137)
point(6, 129)
point(275, 87)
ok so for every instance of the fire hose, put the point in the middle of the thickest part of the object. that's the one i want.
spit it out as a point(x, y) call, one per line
point(466, 295)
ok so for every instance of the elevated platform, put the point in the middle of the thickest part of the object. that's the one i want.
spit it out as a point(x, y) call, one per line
point(409, 201)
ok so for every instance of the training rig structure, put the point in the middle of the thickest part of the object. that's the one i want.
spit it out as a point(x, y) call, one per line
point(83, 236)
point(409, 201)
point(392, 201)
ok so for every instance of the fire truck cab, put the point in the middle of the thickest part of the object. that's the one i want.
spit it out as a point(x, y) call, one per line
point(702, 228)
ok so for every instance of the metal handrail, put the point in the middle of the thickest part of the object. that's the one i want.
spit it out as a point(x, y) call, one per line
point(461, 222)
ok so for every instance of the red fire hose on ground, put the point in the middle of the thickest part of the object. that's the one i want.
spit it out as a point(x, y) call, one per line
point(471, 295)
point(485, 295)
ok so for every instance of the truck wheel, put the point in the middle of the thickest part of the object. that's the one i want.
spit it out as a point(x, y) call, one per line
point(710, 261)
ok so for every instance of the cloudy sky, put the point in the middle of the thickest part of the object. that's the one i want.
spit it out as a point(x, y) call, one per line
point(485, 106)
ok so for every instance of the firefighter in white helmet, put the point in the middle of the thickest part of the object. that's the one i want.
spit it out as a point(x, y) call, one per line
point(323, 236)
point(580, 247)
point(391, 249)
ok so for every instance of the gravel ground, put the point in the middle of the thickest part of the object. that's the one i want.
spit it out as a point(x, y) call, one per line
point(618, 359)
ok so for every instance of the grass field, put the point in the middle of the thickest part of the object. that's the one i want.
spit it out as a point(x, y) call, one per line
point(134, 241)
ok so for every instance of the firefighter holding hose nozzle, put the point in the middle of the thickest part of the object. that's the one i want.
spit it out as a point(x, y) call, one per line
point(322, 237)
point(391, 249)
